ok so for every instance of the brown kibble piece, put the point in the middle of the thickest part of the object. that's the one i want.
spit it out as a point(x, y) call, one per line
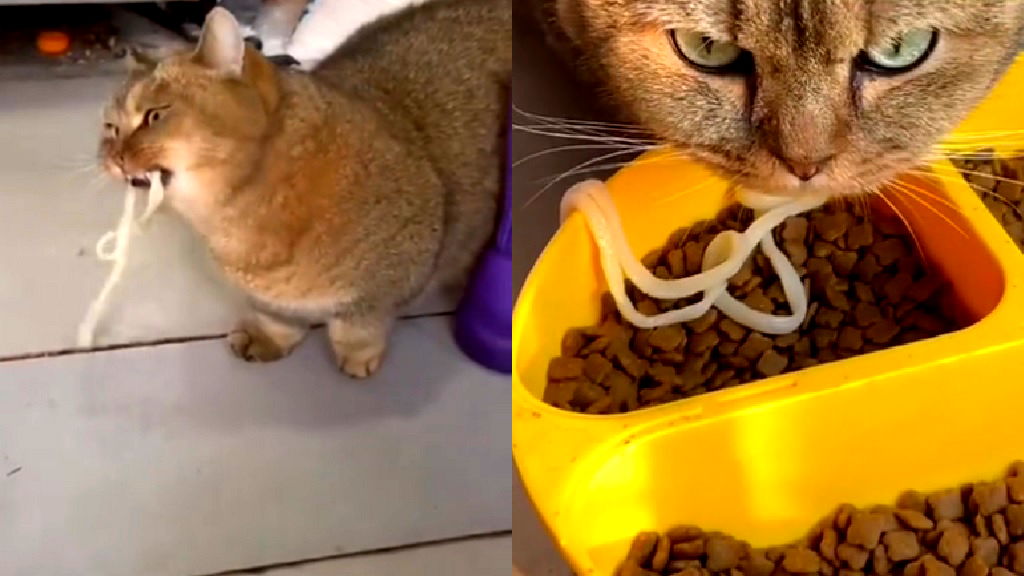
point(587, 393)
point(912, 500)
point(844, 262)
point(684, 533)
point(597, 367)
point(757, 300)
point(954, 544)
point(757, 564)
point(693, 254)
point(914, 520)
point(1015, 487)
point(723, 552)
point(828, 318)
point(562, 368)
point(946, 505)
point(865, 530)
point(797, 252)
point(772, 363)
point(642, 548)
point(701, 342)
point(754, 346)
point(853, 556)
point(688, 549)
point(902, 545)
point(1000, 571)
point(801, 561)
point(676, 263)
point(860, 236)
point(705, 321)
point(560, 393)
point(999, 528)
point(795, 228)
point(667, 337)
point(1015, 557)
point(985, 549)
point(850, 338)
point(895, 290)
point(865, 314)
point(880, 562)
point(973, 567)
point(732, 330)
point(661, 553)
point(572, 342)
point(889, 250)
point(828, 544)
point(1015, 520)
point(882, 332)
point(931, 566)
point(831, 226)
point(989, 497)
point(836, 297)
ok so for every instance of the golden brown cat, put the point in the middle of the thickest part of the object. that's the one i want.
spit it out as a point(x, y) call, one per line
point(792, 95)
point(334, 196)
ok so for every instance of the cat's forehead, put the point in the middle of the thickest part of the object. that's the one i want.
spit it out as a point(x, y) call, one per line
point(736, 19)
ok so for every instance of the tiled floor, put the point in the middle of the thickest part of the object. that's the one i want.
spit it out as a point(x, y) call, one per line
point(178, 459)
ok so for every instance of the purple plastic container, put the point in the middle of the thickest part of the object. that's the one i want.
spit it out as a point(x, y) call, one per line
point(483, 322)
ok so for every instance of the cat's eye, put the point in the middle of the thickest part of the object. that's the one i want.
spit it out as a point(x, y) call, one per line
point(901, 54)
point(111, 129)
point(153, 115)
point(706, 53)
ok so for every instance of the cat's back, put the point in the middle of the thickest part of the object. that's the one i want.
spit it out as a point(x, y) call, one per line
point(438, 60)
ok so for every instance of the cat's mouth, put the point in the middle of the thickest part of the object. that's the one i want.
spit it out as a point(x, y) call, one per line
point(143, 180)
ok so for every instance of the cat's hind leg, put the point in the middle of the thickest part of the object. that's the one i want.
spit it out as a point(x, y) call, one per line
point(263, 338)
point(359, 342)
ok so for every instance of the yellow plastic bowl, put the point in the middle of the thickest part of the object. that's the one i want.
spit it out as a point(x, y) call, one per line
point(766, 460)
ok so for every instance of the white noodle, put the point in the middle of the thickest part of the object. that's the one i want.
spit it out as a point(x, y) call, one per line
point(723, 258)
point(113, 247)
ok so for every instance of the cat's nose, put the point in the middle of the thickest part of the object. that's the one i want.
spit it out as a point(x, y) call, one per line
point(805, 169)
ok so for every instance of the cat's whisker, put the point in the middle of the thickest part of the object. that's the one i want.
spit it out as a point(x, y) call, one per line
point(976, 173)
point(977, 189)
point(899, 214)
point(557, 149)
point(559, 120)
point(583, 167)
point(591, 127)
point(910, 191)
point(600, 138)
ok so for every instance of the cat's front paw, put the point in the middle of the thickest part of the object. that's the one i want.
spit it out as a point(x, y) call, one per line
point(360, 365)
point(254, 346)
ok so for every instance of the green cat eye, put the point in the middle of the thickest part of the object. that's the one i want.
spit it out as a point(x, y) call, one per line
point(704, 52)
point(902, 53)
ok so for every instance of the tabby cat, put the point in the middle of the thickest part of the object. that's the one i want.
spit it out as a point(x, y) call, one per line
point(334, 196)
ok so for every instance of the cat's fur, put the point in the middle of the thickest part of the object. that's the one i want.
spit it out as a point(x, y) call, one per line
point(338, 195)
point(806, 100)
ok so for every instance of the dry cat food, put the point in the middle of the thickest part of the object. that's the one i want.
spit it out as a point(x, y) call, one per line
point(868, 290)
point(974, 530)
point(998, 181)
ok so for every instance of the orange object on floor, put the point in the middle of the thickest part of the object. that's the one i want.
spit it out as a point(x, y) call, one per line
point(53, 42)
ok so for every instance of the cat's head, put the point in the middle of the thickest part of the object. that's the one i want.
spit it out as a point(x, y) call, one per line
point(191, 111)
point(792, 95)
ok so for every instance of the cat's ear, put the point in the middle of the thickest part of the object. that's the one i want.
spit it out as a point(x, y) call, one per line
point(569, 17)
point(221, 45)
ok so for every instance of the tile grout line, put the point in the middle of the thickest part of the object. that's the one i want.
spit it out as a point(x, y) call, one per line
point(372, 552)
point(159, 342)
